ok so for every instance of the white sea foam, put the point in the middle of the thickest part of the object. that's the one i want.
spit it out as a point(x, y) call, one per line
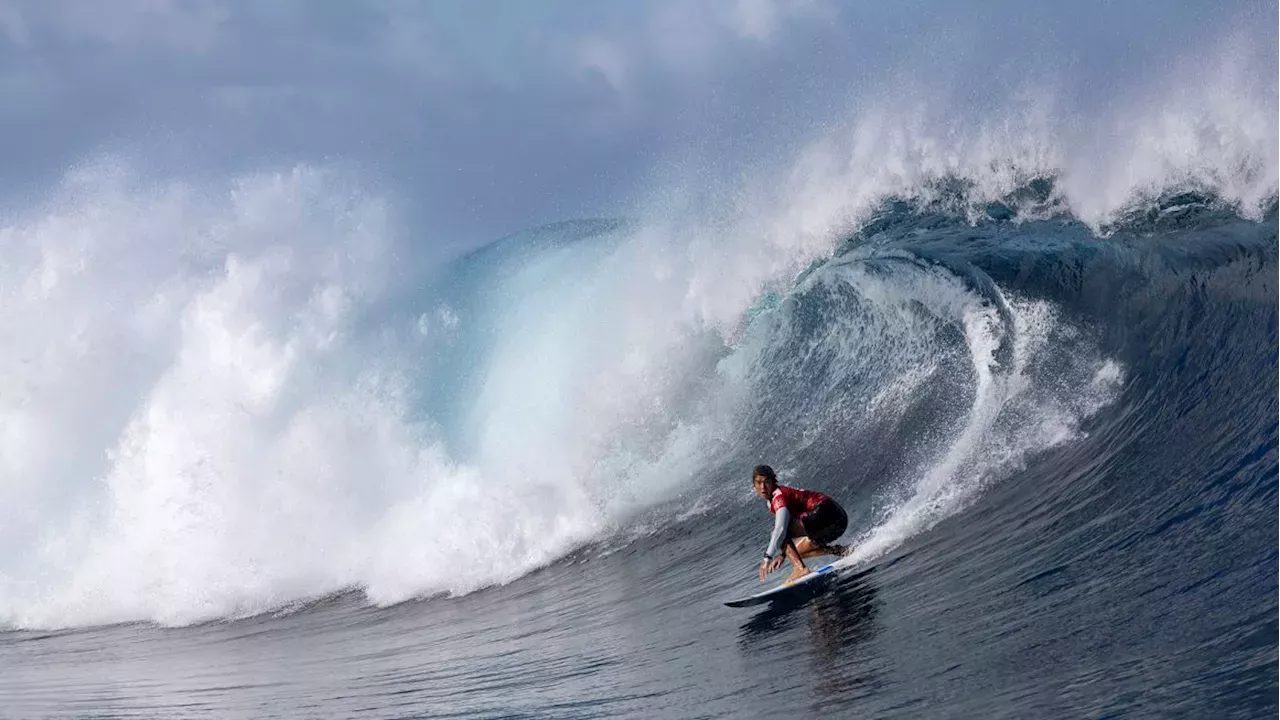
point(198, 423)
point(1014, 413)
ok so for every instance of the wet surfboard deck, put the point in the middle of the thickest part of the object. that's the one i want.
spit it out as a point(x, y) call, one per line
point(788, 590)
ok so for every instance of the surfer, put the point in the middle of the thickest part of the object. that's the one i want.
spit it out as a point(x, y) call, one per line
point(806, 523)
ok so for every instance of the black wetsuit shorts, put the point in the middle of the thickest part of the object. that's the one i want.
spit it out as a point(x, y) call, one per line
point(825, 523)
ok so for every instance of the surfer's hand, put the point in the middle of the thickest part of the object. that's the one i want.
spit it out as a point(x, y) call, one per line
point(767, 566)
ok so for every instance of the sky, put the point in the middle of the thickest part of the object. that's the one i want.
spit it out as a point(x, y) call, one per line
point(480, 119)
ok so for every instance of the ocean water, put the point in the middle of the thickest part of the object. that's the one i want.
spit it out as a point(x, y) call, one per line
point(256, 462)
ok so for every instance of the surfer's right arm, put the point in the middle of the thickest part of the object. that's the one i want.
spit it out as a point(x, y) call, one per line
point(781, 521)
point(773, 554)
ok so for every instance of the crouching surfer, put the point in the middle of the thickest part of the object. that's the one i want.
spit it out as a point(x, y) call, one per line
point(806, 523)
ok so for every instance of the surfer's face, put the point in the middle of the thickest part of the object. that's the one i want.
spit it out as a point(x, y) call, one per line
point(764, 488)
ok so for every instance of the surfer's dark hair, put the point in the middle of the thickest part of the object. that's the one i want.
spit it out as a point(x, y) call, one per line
point(765, 472)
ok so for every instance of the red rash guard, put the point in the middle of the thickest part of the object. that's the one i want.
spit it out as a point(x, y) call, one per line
point(796, 501)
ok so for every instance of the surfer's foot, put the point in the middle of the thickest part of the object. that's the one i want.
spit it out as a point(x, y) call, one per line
point(798, 573)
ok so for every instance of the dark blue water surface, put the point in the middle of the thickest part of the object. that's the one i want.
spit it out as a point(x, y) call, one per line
point(1129, 570)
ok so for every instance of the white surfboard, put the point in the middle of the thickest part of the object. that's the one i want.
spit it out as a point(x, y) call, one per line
point(787, 589)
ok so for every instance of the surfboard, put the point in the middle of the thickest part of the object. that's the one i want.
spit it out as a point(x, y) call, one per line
point(787, 590)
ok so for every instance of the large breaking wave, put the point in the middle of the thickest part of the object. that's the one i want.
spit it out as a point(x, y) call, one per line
point(221, 400)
